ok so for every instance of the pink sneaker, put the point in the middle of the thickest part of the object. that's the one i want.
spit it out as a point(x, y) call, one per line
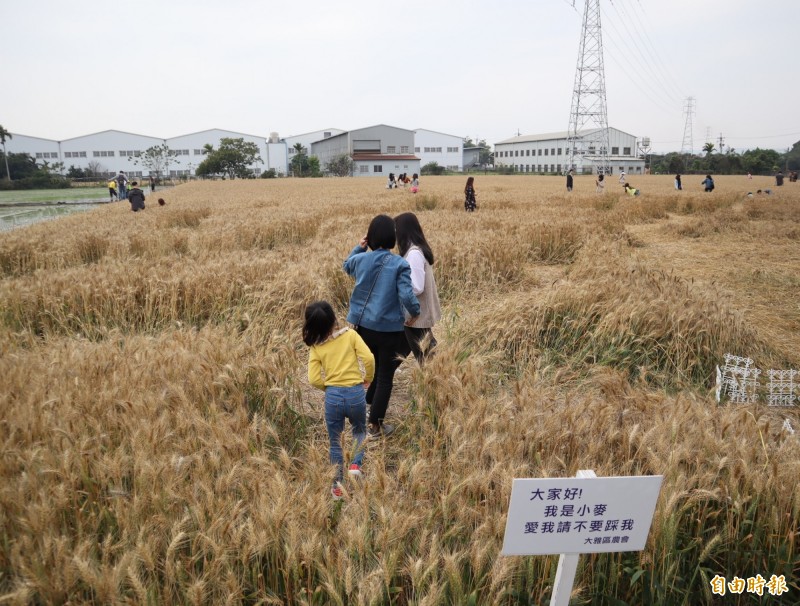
point(336, 492)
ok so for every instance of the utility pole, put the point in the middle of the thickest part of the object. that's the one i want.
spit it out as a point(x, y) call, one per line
point(721, 143)
point(587, 135)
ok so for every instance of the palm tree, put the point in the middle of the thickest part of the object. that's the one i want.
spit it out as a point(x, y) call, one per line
point(4, 134)
point(708, 148)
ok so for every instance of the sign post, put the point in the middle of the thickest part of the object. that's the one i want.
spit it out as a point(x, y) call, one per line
point(585, 514)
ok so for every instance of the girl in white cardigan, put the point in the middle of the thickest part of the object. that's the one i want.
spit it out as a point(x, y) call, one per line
point(414, 248)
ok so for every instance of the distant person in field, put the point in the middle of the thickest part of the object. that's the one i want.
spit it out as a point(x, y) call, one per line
point(112, 190)
point(630, 189)
point(382, 302)
point(470, 203)
point(678, 184)
point(569, 180)
point(391, 183)
point(708, 183)
point(335, 358)
point(414, 248)
point(122, 186)
point(622, 177)
point(415, 183)
point(136, 197)
point(152, 184)
point(779, 179)
point(600, 184)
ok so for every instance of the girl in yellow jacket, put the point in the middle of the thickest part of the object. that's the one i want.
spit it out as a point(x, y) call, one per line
point(333, 365)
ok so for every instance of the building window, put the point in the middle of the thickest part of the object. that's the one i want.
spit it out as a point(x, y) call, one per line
point(438, 150)
point(553, 152)
point(539, 154)
point(198, 152)
point(404, 149)
point(82, 154)
point(363, 168)
point(377, 168)
point(626, 151)
point(416, 150)
point(558, 170)
point(391, 149)
point(559, 153)
point(452, 149)
point(326, 134)
point(545, 151)
point(539, 167)
point(527, 152)
point(615, 151)
point(516, 152)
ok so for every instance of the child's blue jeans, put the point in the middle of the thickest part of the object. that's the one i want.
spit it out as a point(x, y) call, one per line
point(345, 403)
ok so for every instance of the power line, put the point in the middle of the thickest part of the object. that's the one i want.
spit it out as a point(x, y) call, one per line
point(635, 53)
point(648, 45)
point(661, 63)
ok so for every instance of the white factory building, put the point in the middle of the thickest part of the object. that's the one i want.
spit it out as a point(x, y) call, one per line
point(379, 149)
point(547, 153)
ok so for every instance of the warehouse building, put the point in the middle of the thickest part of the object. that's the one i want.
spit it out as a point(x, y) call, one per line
point(547, 153)
point(375, 150)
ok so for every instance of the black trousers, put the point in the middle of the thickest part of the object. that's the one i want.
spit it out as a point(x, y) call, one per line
point(419, 342)
point(389, 349)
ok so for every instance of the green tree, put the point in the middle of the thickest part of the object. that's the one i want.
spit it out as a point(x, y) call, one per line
point(4, 134)
point(156, 159)
point(760, 161)
point(432, 168)
point(709, 148)
point(233, 158)
point(299, 163)
point(792, 157)
point(340, 166)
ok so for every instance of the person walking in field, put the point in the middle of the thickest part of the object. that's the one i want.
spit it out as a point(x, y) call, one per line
point(414, 248)
point(381, 300)
point(569, 180)
point(622, 177)
point(122, 186)
point(708, 184)
point(415, 183)
point(779, 179)
point(335, 357)
point(136, 197)
point(470, 203)
point(112, 190)
point(678, 184)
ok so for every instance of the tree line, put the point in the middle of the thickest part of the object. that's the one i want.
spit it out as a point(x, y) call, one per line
point(754, 161)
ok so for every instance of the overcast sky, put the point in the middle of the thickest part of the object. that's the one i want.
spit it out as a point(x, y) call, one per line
point(465, 67)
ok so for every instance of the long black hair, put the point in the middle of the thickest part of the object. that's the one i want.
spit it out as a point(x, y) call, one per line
point(320, 320)
point(381, 233)
point(409, 233)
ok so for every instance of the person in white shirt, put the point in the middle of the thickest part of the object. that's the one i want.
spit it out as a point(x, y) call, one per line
point(414, 248)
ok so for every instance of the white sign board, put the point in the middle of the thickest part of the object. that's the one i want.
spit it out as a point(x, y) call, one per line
point(580, 515)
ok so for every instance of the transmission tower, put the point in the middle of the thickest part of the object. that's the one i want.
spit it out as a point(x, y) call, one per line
point(587, 135)
point(687, 147)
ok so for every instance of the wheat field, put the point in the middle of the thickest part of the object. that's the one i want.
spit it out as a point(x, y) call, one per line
point(161, 444)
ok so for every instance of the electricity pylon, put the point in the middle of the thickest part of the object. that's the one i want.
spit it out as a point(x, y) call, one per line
point(687, 147)
point(587, 135)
